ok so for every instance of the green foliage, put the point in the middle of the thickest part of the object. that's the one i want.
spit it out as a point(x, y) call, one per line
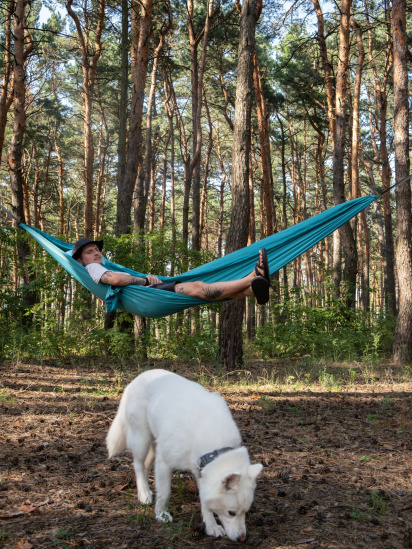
point(61, 537)
point(176, 341)
point(80, 333)
point(326, 330)
point(3, 534)
point(300, 326)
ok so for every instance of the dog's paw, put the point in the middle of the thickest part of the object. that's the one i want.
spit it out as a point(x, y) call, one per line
point(145, 497)
point(215, 530)
point(164, 516)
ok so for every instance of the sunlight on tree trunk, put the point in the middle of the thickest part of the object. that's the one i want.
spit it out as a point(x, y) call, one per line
point(90, 57)
point(231, 344)
point(6, 96)
point(402, 346)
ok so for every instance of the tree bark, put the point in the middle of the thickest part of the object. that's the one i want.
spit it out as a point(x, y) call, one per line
point(145, 174)
point(121, 144)
point(382, 157)
point(162, 215)
point(345, 232)
point(327, 68)
point(221, 193)
point(170, 116)
point(402, 346)
point(23, 45)
point(6, 95)
point(355, 148)
point(284, 188)
point(90, 57)
point(185, 155)
point(193, 175)
point(140, 37)
point(104, 143)
point(230, 337)
point(265, 158)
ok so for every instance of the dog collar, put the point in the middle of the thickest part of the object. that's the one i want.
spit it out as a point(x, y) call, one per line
point(210, 456)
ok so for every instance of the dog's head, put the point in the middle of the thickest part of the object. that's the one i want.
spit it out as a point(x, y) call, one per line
point(227, 488)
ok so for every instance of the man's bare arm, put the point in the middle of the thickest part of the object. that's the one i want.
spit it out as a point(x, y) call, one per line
point(122, 279)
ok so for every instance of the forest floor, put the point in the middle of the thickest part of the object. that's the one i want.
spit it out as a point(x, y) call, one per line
point(335, 441)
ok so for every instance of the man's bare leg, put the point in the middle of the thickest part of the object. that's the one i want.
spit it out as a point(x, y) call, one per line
point(219, 290)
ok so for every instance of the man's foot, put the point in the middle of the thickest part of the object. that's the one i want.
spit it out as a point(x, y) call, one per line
point(262, 266)
point(260, 287)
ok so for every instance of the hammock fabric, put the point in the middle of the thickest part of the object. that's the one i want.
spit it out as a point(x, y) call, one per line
point(281, 248)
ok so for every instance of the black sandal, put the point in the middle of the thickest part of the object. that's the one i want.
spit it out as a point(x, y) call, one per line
point(260, 287)
point(264, 267)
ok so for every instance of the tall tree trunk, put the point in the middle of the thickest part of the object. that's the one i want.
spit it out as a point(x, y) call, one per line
point(327, 69)
point(60, 183)
point(364, 292)
point(15, 151)
point(6, 95)
point(185, 156)
point(124, 84)
point(104, 142)
point(203, 202)
point(140, 38)
point(230, 337)
point(379, 219)
point(151, 183)
point(197, 70)
point(145, 174)
point(355, 111)
point(345, 232)
point(162, 215)
point(170, 117)
point(382, 156)
point(284, 188)
point(250, 301)
point(90, 57)
point(265, 158)
point(221, 194)
point(402, 346)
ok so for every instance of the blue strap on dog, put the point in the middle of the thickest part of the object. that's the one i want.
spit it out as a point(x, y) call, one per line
point(210, 456)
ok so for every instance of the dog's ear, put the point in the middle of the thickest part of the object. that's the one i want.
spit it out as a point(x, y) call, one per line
point(254, 470)
point(231, 481)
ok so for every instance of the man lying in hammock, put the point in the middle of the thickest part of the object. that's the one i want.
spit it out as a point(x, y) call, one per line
point(88, 253)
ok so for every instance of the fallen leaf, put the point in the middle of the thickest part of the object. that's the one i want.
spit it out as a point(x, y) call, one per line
point(25, 508)
point(120, 487)
point(24, 544)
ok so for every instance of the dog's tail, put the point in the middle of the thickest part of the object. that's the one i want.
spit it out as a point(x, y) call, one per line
point(116, 437)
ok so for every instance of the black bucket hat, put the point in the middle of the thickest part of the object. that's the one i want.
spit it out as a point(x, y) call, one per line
point(77, 248)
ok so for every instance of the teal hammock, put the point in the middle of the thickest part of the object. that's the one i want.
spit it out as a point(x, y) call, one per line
point(282, 248)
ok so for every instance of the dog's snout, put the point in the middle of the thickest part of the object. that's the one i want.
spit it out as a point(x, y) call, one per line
point(242, 537)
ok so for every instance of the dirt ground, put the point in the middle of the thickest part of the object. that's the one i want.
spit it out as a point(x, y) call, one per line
point(336, 454)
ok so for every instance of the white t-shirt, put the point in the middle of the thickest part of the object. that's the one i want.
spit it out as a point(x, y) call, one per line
point(96, 271)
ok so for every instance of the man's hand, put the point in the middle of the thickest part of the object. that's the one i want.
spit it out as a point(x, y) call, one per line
point(153, 279)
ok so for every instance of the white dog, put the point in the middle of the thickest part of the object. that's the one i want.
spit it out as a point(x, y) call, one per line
point(165, 418)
